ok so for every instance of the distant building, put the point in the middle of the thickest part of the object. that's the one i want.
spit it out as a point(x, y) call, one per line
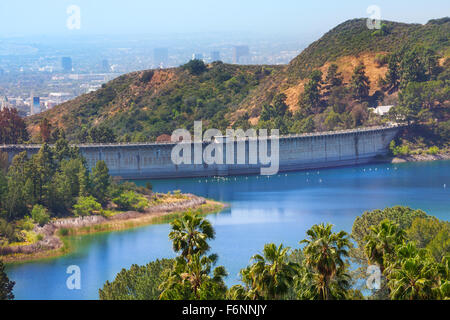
point(35, 107)
point(66, 64)
point(240, 52)
point(161, 57)
point(197, 56)
point(215, 56)
point(4, 103)
point(382, 110)
point(105, 66)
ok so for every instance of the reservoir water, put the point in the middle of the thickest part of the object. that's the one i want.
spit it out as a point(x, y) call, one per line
point(275, 209)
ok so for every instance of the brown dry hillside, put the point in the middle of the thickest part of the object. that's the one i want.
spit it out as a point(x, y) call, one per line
point(143, 105)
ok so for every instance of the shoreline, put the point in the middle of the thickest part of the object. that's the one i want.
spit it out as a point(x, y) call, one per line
point(421, 157)
point(413, 158)
point(55, 242)
point(56, 233)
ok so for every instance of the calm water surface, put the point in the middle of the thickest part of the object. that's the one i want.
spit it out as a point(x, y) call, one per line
point(277, 209)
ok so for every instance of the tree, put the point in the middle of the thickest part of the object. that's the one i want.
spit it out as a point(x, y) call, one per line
point(45, 129)
point(360, 83)
point(40, 215)
point(17, 197)
point(310, 100)
point(12, 127)
point(195, 280)
point(6, 286)
point(138, 282)
point(412, 68)
point(333, 78)
point(324, 256)
point(195, 67)
point(130, 200)
point(270, 277)
point(43, 167)
point(415, 276)
point(86, 206)
point(101, 181)
point(393, 74)
point(382, 242)
point(403, 216)
point(102, 134)
point(190, 234)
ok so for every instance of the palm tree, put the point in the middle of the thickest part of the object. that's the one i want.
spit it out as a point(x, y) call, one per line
point(326, 270)
point(190, 234)
point(415, 275)
point(381, 243)
point(193, 280)
point(269, 277)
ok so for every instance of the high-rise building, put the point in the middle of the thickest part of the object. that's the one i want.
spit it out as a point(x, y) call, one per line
point(4, 103)
point(197, 56)
point(161, 57)
point(215, 56)
point(66, 63)
point(105, 66)
point(35, 105)
point(239, 53)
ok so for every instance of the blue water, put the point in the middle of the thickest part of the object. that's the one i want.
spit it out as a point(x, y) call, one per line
point(276, 209)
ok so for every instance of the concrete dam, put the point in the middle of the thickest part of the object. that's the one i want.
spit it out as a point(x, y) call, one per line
point(296, 152)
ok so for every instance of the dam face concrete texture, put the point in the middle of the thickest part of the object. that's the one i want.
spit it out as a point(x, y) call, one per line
point(310, 151)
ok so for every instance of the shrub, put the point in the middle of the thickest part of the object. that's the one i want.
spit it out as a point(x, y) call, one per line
point(433, 150)
point(130, 200)
point(86, 206)
point(64, 232)
point(40, 215)
point(195, 67)
point(402, 150)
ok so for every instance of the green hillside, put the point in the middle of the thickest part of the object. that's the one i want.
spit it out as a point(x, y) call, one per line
point(331, 85)
point(353, 37)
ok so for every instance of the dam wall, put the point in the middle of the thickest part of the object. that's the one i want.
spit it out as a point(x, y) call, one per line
point(296, 152)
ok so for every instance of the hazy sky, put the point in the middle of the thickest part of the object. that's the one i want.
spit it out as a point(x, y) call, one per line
point(47, 17)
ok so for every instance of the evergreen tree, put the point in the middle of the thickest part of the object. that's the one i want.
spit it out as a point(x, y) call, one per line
point(100, 181)
point(333, 78)
point(310, 100)
point(6, 286)
point(360, 83)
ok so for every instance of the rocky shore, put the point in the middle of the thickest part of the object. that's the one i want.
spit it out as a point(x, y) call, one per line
point(51, 241)
point(421, 157)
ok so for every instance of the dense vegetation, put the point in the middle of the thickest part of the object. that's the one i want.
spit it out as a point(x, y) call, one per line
point(144, 105)
point(55, 182)
point(353, 37)
point(410, 248)
point(6, 286)
point(12, 127)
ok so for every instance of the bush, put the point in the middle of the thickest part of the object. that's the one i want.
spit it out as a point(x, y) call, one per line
point(40, 215)
point(402, 150)
point(86, 206)
point(130, 200)
point(195, 67)
point(63, 232)
point(433, 150)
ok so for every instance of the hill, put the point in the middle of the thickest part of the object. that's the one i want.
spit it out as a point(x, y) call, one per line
point(143, 105)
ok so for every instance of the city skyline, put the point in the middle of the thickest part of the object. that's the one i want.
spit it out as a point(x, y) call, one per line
point(25, 18)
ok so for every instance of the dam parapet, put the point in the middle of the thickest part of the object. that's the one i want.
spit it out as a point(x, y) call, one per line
point(296, 152)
